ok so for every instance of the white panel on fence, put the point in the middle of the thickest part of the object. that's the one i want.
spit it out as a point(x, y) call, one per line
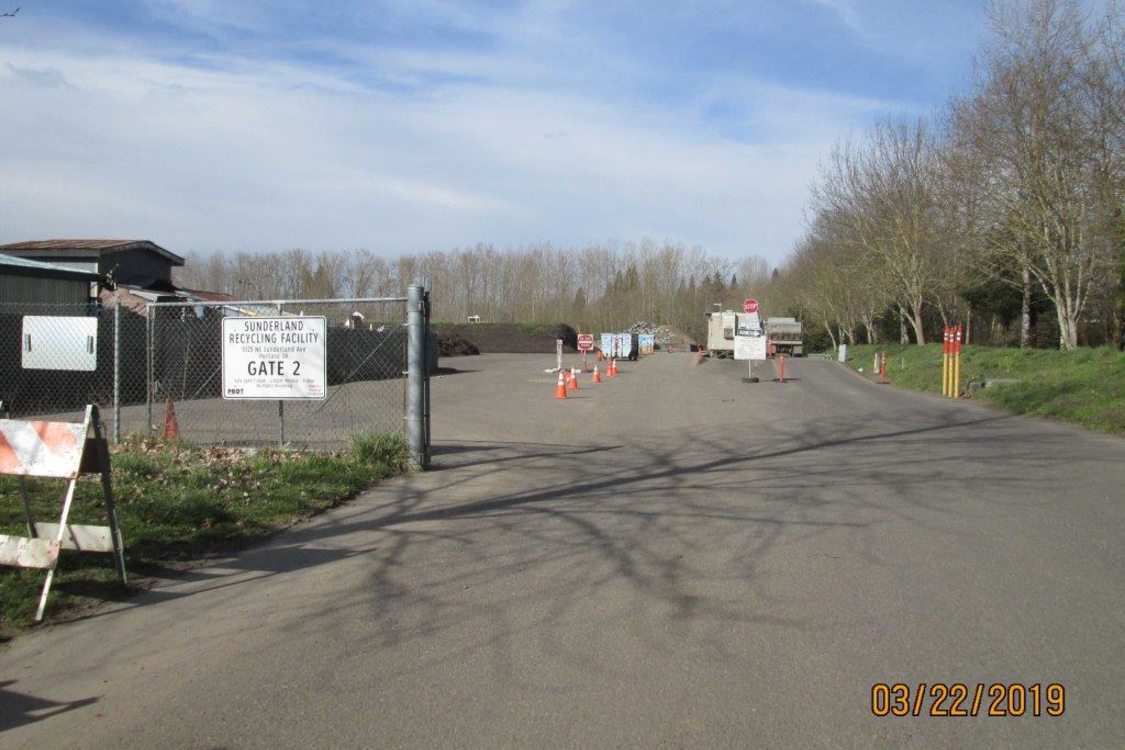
point(59, 343)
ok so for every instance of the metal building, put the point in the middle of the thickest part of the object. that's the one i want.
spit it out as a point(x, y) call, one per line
point(28, 282)
point(138, 263)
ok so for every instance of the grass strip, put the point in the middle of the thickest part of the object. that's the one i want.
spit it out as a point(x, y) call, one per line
point(178, 502)
point(1084, 387)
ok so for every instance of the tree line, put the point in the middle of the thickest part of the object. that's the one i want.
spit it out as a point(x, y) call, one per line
point(597, 288)
point(1007, 200)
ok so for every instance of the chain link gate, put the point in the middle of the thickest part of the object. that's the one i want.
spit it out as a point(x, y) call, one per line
point(141, 365)
point(365, 369)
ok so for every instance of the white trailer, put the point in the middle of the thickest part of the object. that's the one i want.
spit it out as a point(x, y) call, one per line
point(722, 327)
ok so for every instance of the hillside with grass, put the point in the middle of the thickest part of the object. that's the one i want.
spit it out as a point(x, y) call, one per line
point(1085, 386)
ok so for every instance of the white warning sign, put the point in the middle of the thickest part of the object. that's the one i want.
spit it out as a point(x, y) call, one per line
point(750, 347)
point(275, 358)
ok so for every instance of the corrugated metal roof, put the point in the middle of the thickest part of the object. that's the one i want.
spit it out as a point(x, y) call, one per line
point(68, 244)
point(49, 246)
point(45, 269)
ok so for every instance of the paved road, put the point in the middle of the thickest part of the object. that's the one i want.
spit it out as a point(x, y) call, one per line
point(671, 559)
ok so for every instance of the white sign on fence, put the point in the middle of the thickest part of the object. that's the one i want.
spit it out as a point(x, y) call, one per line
point(750, 347)
point(280, 358)
point(59, 343)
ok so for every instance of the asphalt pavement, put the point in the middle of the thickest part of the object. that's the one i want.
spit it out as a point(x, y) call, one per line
point(672, 558)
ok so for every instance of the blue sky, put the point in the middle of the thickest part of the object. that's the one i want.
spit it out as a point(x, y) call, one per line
point(405, 126)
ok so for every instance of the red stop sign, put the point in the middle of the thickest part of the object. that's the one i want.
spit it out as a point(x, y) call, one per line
point(750, 306)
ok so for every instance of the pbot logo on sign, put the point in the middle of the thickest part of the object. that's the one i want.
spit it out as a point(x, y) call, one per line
point(750, 306)
point(585, 342)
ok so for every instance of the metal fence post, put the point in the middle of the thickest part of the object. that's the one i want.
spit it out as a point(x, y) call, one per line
point(117, 370)
point(428, 354)
point(280, 408)
point(149, 356)
point(416, 375)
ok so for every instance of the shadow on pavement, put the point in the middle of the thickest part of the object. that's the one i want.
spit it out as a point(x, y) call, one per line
point(17, 709)
point(599, 517)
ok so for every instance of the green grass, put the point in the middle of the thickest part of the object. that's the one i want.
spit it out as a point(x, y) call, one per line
point(177, 502)
point(1085, 386)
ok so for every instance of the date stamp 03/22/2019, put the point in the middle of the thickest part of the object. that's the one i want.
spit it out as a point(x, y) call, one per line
point(960, 699)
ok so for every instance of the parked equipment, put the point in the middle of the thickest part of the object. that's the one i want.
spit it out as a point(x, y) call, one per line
point(620, 345)
point(785, 337)
point(722, 327)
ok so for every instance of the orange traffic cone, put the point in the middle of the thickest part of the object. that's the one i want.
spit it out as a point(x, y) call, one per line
point(611, 370)
point(573, 383)
point(597, 376)
point(171, 426)
point(560, 389)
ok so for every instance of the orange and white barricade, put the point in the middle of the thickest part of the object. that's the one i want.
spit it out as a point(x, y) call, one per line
point(58, 450)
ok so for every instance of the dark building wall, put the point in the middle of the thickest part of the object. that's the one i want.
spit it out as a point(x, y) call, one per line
point(137, 267)
point(20, 290)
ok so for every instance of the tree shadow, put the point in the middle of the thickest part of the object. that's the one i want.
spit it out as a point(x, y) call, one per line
point(678, 534)
point(616, 531)
point(20, 708)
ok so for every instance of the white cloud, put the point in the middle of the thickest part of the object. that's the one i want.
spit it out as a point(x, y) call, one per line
point(236, 152)
point(847, 12)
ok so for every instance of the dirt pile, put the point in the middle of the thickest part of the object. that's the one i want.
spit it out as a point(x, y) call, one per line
point(455, 345)
point(517, 338)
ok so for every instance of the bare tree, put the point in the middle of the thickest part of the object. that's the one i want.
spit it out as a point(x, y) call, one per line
point(879, 199)
point(1038, 125)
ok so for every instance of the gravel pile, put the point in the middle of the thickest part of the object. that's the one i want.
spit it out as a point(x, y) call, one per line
point(662, 334)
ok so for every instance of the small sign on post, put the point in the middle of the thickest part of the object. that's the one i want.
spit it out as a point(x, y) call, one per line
point(585, 345)
point(750, 306)
point(748, 325)
point(751, 348)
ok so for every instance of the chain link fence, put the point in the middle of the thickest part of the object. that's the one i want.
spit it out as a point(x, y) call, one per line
point(364, 372)
point(162, 369)
point(56, 358)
